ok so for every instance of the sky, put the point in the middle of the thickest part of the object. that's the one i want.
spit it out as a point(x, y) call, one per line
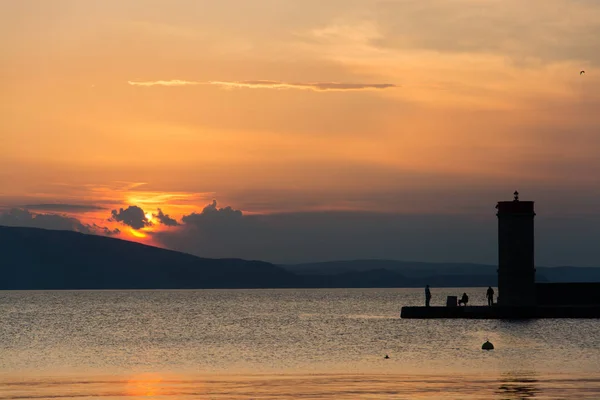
point(297, 131)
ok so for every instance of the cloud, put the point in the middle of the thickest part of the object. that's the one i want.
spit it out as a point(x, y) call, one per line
point(266, 84)
point(315, 86)
point(133, 216)
point(165, 219)
point(25, 218)
point(221, 227)
point(546, 30)
point(107, 231)
point(174, 82)
point(323, 236)
point(213, 216)
point(63, 207)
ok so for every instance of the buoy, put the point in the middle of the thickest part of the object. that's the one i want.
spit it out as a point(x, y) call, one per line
point(487, 346)
point(386, 357)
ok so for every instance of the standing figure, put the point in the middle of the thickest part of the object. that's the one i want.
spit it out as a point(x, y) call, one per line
point(427, 296)
point(463, 300)
point(490, 296)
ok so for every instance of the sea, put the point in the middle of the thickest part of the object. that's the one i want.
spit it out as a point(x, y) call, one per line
point(282, 344)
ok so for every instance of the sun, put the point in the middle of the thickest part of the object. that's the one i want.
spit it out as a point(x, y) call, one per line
point(149, 216)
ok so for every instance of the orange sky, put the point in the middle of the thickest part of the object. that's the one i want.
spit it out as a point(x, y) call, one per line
point(171, 104)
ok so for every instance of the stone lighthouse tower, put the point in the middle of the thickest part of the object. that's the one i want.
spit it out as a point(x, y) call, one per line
point(516, 266)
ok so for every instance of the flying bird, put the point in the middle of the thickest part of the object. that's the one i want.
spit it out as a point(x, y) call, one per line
point(581, 72)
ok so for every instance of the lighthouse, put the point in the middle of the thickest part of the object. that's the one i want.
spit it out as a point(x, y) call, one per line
point(518, 294)
point(516, 265)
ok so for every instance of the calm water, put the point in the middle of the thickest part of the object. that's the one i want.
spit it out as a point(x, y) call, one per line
point(282, 344)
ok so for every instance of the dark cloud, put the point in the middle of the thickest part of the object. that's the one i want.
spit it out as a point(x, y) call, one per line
point(323, 236)
point(212, 216)
point(63, 207)
point(165, 219)
point(212, 225)
point(25, 218)
point(107, 231)
point(132, 216)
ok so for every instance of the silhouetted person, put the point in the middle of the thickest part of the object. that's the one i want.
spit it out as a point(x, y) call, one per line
point(490, 296)
point(427, 296)
point(463, 300)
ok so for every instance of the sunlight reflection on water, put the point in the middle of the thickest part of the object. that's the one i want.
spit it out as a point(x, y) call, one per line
point(281, 344)
point(320, 386)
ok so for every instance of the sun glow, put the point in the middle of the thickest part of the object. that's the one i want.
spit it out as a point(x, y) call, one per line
point(149, 216)
point(137, 234)
point(147, 385)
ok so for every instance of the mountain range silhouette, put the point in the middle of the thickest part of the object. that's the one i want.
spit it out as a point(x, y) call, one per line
point(38, 259)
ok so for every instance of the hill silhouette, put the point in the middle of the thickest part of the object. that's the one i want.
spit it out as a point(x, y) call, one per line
point(440, 274)
point(32, 258)
point(407, 268)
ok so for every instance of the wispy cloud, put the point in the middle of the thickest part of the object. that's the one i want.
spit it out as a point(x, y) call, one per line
point(175, 82)
point(23, 217)
point(266, 84)
point(60, 207)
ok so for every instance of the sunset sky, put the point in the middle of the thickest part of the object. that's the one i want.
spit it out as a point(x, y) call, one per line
point(308, 130)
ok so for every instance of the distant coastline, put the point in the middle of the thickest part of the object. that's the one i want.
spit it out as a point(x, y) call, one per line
point(38, 259)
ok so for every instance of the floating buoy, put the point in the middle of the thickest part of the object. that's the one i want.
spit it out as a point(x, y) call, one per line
point(487, 346)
